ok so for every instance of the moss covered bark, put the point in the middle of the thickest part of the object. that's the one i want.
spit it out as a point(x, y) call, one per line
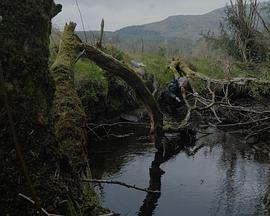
point(69, 119)
point(24, 42)
point(24, 37)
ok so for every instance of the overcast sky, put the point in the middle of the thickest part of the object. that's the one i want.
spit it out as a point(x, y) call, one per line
point(121, 13)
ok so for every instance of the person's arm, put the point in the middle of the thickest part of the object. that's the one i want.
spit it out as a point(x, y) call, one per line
point(172, 90)
point(172, 95)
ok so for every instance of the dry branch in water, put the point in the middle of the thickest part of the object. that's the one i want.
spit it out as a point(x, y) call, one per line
point(121, 184)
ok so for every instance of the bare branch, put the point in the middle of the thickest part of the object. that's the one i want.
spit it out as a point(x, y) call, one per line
point(99, 43)
point(119, 183)
point(42, 209)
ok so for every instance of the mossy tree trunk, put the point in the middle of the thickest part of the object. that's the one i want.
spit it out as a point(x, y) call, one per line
point(68, 115)
point(69, 119)
point(24, 53)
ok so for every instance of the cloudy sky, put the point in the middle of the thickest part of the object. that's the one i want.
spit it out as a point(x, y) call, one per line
point(121, 13)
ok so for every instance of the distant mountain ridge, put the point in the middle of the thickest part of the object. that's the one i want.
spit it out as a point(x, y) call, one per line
point(176, 33)
point(183, 26)
point(180, 26)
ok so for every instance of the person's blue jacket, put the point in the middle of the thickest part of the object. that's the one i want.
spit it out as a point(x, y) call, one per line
point(173, 89)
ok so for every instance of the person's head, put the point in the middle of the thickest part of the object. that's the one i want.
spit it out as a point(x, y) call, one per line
point(182, 82)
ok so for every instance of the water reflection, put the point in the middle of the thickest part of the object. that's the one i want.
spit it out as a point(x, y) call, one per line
point(151, 199)
point(175, 143)
point(219, 176)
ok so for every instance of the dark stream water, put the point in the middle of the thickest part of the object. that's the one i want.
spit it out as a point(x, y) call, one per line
point(223, 177)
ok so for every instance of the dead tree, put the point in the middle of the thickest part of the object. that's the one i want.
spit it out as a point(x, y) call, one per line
point(111, 65)
point(69, 119)
point(236, 85)
point(242, 21)
point(68, 115)
point(99, 43)
point(219, 99)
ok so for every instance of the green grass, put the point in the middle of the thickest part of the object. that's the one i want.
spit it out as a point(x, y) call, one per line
point(87, 73)
point(210, 68)
point(90, 75)
point(157, 66)
point(215, 69)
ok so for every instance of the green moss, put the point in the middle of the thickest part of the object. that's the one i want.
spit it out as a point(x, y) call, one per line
point(67, 48)
point(91, 201)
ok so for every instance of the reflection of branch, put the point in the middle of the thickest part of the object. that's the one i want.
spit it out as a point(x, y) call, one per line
point(155, 173)
point(42, 209)
point(119, 183)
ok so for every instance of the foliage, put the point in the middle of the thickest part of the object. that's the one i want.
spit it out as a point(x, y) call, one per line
point(88, 73)
point(214, 68)
point(161, 51)
point(208, 67)
point(115, 52)
point(240, 35)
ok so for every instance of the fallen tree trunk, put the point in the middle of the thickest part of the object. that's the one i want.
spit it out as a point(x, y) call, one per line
point(111, 65)
point(237, 85)
point(220, 97)
point(69, 119)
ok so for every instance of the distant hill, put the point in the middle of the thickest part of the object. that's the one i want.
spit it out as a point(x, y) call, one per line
point(181, 26)
point(176, 33)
